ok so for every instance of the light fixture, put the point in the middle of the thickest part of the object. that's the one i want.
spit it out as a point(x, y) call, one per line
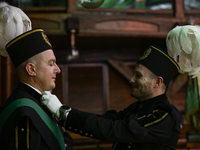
point(74, 53)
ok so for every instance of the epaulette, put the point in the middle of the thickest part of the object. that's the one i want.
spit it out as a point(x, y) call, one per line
point(163, 106)
point(158, 113)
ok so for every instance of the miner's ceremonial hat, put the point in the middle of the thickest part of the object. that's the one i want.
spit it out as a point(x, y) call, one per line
point(160, 63)
point(27, 45)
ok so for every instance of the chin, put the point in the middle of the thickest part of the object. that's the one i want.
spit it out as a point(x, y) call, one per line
point(50, 89)
point(134, 95)
point(53, 86)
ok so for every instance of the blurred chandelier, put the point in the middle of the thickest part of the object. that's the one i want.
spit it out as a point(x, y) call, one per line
point(91, 4)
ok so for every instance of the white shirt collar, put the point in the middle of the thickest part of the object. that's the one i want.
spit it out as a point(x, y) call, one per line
point(32, 87)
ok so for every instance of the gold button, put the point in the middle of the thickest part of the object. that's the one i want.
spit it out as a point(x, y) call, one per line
point(22, 129)
point(70, 128)
point(129, 147)
point(75, 130)
point(86, 134)
point(91, 135)
point(80, 131)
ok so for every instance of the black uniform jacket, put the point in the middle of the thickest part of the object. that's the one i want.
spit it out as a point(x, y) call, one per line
point(153, 124)
point(24, 129)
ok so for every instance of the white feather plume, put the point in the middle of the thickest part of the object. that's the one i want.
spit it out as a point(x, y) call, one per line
point(183, 44)
point(13, 22)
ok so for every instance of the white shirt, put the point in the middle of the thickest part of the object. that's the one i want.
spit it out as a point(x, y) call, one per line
point(32, 87)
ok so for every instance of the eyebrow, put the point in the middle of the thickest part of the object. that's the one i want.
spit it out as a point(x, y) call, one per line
point(136, 71)
point(54, 60)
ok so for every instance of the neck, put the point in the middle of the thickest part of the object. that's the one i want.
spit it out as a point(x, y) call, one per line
point(154, 94)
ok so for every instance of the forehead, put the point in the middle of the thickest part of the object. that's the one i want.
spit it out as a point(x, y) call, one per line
point(142, 69)
point(49, 54)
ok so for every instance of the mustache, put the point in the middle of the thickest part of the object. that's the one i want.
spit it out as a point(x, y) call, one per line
point(134, 85)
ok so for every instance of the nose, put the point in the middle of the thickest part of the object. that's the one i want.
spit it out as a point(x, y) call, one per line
point(57, 69)
point(132, 79)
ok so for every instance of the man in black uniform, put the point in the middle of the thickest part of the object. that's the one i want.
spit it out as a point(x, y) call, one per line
point(151, 123)
point(24, 122)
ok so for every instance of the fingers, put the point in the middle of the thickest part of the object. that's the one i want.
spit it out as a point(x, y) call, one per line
point(45, 97)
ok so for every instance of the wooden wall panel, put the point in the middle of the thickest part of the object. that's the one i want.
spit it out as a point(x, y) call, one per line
point(126, 25)
point(86, 88)
point(120, 90)
point(8, 78)
point(83, 86)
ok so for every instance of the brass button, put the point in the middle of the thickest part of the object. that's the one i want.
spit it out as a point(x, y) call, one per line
point(80, 131)
point(75, 130)
point(129, 147)
point(70, 128)
point(91, 135)
point(86, 134)
point(22, 129)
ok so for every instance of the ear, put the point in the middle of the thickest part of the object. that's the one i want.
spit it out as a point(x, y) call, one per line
point(31, 69)
point(158, 81)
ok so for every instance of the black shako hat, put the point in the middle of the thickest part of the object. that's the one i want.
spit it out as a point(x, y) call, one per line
point(27, 45)
point(160, 63)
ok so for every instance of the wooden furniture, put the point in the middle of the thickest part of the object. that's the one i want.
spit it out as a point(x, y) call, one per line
point(184, 140)
point(108, 40)
point(112, 22)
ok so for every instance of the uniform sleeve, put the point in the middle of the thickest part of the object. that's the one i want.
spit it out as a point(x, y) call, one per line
point(157, 126)
point(127, 130)
point(114, 115)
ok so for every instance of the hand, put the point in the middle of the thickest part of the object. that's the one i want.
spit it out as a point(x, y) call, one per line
point(51, 102)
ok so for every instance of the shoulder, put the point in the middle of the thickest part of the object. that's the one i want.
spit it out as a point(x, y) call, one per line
point(163, 106)
point(159, 112)
point(22, 107)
